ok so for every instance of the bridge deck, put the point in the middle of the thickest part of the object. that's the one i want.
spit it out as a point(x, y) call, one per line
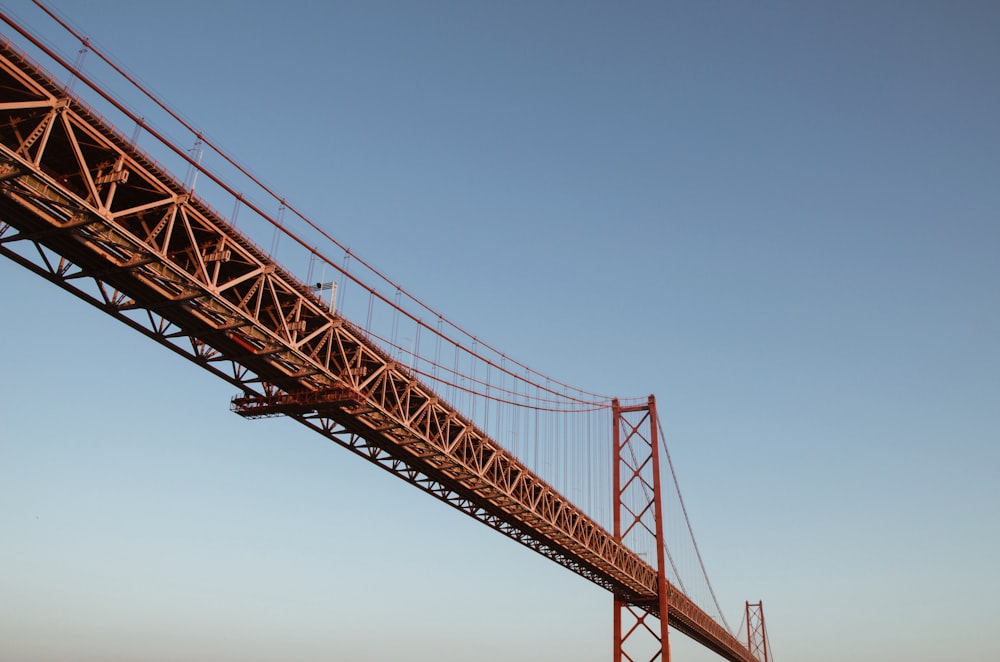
point(102, 220)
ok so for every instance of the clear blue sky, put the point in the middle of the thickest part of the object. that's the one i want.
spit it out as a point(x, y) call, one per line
point(782, 218)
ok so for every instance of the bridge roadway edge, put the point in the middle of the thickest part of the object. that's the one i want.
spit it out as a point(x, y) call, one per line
point(83, 237)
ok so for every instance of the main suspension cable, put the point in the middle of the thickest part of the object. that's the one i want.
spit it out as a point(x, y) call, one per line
point(687, 521)
point(285, 205)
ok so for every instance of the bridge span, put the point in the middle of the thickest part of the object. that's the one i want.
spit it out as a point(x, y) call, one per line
point(83, 207)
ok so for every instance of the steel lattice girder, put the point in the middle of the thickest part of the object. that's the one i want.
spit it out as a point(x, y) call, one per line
point(142, 234)
point(71, 185)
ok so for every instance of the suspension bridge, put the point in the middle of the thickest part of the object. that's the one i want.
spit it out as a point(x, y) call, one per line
point(265, 299)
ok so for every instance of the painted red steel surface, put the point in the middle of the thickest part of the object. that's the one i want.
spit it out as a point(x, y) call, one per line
point(84, 209)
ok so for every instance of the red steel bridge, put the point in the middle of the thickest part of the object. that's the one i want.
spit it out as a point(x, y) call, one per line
point(343, 350)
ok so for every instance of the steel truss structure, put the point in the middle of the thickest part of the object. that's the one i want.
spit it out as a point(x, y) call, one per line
point(83, 208)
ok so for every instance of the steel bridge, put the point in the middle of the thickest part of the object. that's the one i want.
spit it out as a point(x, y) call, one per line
point(83, 207)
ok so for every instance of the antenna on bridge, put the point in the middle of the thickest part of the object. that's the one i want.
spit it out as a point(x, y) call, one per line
point(329, 285)
point(78, 63)
point(196, 152)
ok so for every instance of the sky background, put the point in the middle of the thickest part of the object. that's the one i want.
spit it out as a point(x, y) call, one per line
point(782, 218)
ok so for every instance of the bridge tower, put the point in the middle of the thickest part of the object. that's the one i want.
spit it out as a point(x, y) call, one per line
point(756, 632)
point(638, 516)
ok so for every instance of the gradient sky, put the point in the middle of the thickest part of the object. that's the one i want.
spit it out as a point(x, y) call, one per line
point(782, 218)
